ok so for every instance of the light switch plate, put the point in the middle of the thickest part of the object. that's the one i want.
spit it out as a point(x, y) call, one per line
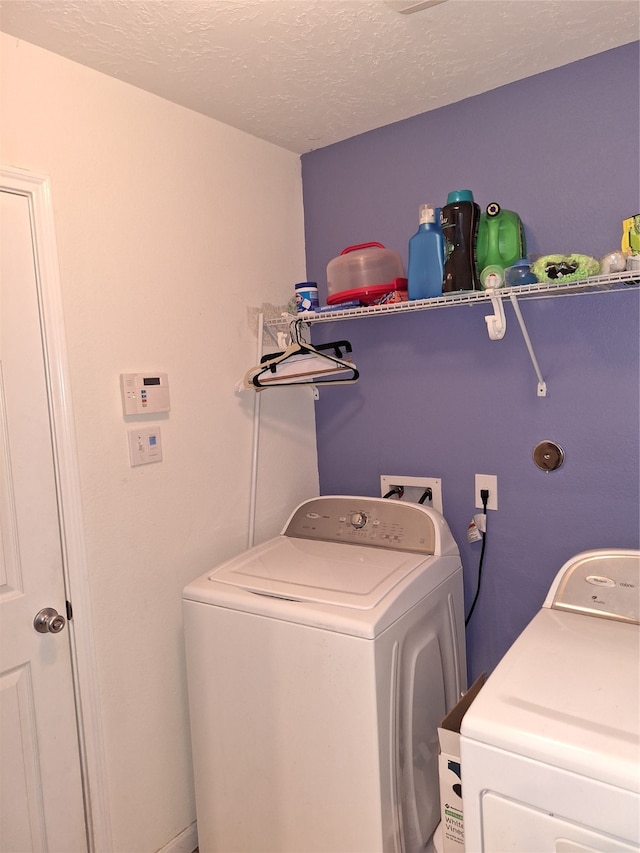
point(145, 446)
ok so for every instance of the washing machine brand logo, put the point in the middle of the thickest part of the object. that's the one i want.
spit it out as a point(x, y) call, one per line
point(598, 580)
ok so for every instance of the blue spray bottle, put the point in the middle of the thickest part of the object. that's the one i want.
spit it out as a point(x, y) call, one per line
point(426, 255)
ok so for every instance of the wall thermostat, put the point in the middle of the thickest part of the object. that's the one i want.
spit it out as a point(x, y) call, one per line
point(144, 393)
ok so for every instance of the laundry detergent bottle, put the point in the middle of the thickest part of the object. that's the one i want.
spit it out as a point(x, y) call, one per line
point(459, 219)
point(501, 239)
point(426, 255)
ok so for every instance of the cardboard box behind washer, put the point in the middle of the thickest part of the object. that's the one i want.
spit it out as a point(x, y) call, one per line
point(451, 772)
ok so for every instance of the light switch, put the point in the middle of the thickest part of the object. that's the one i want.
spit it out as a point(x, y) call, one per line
point(145, 446)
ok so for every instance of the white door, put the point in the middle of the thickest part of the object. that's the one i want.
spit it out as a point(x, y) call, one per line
point(41, 803)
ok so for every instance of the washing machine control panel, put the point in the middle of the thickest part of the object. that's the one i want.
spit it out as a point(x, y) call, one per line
point(605, 584)
point(366, 521)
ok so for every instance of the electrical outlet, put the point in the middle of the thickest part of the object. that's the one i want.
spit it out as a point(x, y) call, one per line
point(490, 482)
point(414, 488)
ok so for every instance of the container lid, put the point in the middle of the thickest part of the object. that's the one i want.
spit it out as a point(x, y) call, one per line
point(427, 214)
point(492, 276)
point(459, 195)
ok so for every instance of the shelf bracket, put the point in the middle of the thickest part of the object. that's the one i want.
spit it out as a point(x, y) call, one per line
point(542, 385)
point(275, 336)
point(496, 322)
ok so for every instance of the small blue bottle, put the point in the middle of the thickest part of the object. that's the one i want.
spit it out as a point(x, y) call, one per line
point(426, 256)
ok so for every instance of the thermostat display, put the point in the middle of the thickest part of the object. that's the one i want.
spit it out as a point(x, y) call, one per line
point(144, 393)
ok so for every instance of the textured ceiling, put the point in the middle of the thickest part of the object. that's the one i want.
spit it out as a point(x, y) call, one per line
point(306, 73)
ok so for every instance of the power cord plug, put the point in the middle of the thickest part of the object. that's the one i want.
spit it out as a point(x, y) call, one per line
point(484, 497)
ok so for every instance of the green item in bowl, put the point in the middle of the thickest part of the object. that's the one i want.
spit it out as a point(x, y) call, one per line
point(565, 267)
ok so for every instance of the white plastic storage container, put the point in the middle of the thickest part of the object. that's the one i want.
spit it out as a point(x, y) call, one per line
point(364, 272)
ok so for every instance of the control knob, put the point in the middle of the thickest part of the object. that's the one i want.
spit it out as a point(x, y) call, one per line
point(358, 520)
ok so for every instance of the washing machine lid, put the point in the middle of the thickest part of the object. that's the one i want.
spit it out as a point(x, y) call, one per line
point(348, 589)
point(332, 573)
point(567, 694)
point(342, 563)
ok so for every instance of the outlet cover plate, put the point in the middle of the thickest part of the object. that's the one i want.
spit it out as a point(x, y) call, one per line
point(414, 488)
point(487, 481)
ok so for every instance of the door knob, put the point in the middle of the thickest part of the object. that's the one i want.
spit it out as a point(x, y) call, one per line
point(48, 620)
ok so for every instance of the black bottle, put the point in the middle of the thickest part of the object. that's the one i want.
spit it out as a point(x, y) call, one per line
point(460, 218)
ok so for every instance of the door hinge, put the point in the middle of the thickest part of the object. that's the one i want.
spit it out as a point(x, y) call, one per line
point(69, 610)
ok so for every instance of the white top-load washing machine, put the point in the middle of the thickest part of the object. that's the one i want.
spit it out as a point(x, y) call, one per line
point(319, 665)
point(550, 747)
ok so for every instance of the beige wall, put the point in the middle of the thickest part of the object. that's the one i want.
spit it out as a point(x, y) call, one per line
point(170, 226)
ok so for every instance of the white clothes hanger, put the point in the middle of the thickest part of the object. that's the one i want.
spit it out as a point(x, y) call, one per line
point(303, 364)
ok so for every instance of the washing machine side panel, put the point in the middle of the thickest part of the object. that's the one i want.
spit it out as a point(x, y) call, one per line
point(284, 735)
point(421, 672)
point(518, 804)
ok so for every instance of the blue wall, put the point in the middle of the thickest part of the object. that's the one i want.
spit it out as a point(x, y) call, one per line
point(438, 398)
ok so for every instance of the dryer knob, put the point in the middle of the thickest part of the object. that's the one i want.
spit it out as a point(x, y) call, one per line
point(358, 519)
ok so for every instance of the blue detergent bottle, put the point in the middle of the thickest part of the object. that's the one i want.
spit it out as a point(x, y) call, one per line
point(426, 255)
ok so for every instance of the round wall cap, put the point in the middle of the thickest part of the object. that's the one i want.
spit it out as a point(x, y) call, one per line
point(548, 455)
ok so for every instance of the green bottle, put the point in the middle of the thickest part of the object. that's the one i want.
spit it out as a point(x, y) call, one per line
point(501, 238)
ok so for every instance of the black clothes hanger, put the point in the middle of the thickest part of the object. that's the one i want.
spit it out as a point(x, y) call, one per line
point(303, 364)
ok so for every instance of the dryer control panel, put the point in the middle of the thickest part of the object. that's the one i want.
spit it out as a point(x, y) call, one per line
point(599, 583)
point(367, 521)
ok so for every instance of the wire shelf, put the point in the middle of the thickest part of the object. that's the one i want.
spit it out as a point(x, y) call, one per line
point(612, 283)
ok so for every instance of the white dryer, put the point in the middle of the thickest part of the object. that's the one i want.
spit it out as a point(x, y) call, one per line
point(319, 665)
point(550, 747)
